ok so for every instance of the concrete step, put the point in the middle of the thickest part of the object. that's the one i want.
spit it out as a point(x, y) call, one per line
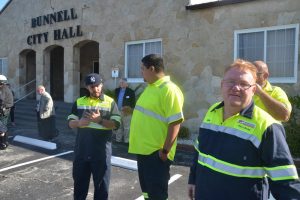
point(25, 114)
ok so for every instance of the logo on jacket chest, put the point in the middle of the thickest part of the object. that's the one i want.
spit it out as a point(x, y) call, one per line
point(244, 125)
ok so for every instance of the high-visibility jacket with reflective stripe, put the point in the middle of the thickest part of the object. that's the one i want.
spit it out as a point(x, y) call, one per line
point(91, 140)
point(234, 158)
point(159, 105)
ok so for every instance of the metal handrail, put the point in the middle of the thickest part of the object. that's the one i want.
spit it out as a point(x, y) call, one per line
point(26, 84)
point(31, 92)
point(19, 89)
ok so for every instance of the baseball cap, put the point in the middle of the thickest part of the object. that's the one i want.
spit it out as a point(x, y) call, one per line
point(3, 79)
point(93, 79)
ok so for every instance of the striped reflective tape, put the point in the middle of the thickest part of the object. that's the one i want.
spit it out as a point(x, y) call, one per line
point(93, 108)
point(230, 169)
point(159, 117)
point(95, 126)
point(73, 117)
point(286, 172)
point(116, 117)
point(232, 131)
point(282, 172)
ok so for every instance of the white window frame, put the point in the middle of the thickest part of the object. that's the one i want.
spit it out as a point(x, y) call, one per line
point(4, 66)
point(292, 79)
point(138, 80)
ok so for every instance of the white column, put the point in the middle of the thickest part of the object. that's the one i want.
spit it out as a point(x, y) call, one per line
point(71, 74)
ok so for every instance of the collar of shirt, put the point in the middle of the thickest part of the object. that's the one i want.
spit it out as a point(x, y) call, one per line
point(268, 87)
point(246, 112)
point(160, 81)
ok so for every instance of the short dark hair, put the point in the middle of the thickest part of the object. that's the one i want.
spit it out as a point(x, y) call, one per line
point(153, 60)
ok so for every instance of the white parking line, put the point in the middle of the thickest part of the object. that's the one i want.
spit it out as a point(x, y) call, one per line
point(172, 179)
point(34, 161)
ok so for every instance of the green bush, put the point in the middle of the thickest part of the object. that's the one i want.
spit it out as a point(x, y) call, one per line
point(184, 132)
point(292, 127)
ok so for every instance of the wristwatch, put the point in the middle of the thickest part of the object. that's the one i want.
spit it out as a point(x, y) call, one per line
point(165, 151)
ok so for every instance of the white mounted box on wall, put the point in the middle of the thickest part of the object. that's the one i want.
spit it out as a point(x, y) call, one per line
point(115, 72)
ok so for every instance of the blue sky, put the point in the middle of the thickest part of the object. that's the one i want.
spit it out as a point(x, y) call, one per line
point(2, 3)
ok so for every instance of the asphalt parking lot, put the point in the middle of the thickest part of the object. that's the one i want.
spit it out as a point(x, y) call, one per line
point(30, 173)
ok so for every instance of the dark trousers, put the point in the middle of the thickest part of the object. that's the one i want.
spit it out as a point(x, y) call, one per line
point(100, 170)
point(47, 127)
point(3, 132)
point(12, 114)
point(154, 175)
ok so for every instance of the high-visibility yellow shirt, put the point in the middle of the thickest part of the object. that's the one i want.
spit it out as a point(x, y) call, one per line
point(275, 92)
point(158, 106)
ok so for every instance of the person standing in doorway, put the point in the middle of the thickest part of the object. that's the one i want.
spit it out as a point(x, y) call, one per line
point(94, 116)
point(270, 98)
point(125, 98)
point(46, 115)
point(154, 128)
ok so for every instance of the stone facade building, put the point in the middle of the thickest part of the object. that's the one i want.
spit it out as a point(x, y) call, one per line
point(57, 42)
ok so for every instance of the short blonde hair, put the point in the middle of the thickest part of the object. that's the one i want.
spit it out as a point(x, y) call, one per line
point(243, 65)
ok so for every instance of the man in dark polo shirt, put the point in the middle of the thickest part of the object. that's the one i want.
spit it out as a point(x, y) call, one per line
point(95, 116)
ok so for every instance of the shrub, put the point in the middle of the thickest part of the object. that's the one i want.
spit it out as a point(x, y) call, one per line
point(292, 127)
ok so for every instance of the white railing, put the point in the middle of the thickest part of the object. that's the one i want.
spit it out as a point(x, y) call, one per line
point(25, 90)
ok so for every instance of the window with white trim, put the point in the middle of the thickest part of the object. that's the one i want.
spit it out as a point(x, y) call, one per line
point(277, 46)
point(134, 52)
point(3, 66)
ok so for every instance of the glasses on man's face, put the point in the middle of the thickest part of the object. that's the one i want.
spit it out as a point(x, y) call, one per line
point(259, 73)
point(241, 85)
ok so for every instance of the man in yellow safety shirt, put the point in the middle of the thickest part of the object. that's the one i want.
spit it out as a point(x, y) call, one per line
point(270, 98)
point(154, 128)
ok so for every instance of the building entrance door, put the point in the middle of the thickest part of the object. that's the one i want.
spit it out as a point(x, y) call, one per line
point(57, 73)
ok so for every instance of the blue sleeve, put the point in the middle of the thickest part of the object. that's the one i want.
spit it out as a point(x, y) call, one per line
point(193, 168)
point(276, 153)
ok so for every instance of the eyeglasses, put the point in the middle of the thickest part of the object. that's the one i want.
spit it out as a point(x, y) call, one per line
point(241, 85)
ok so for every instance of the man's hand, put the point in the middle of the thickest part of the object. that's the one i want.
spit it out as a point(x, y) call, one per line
point(83, 122)
point(163, 156)
point(93, 116)
point(191, 191)
point(258, 90)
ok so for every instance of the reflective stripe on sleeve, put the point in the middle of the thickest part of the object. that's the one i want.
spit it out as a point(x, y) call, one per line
point(231, 131)
point(74, 117)
point(116, 117)
point(282, 172)
point(95, 126)
point(170, 119)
